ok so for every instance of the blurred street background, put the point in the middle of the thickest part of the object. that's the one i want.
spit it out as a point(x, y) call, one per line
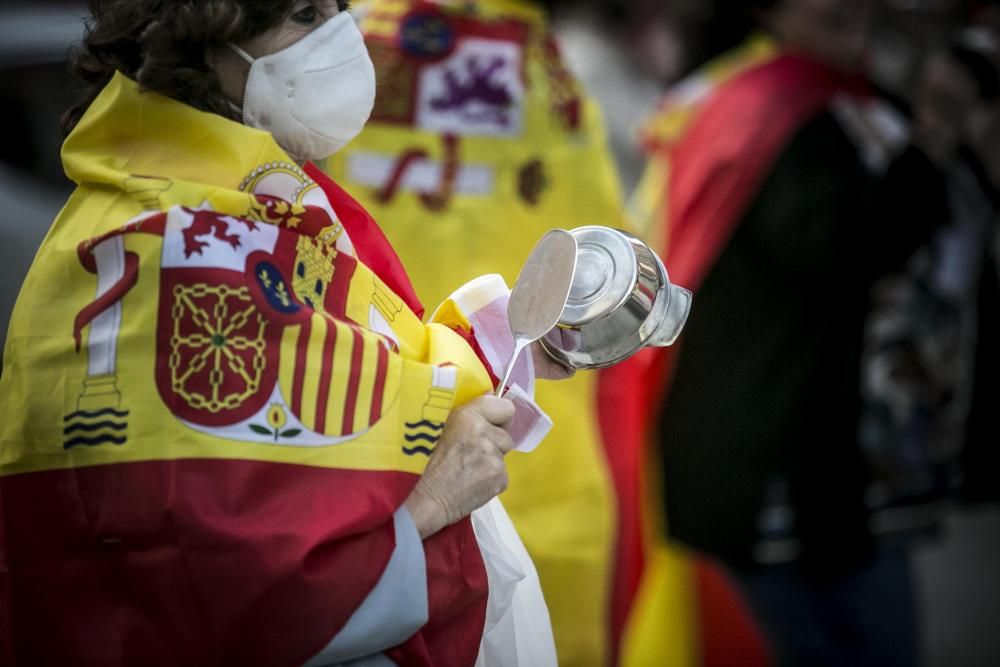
point(627, 53)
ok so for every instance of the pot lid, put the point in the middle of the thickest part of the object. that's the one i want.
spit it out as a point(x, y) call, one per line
point(606, 274)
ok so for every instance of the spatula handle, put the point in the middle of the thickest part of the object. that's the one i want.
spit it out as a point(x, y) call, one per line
point(518, 346)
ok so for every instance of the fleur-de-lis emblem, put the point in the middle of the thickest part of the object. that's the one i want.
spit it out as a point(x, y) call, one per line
point(282, 293)
point(265, 278)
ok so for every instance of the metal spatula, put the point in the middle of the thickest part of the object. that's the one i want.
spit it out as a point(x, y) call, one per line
point(540, 293)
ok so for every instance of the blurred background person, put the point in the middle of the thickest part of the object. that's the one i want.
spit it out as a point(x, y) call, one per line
point(919, 363)
point(980, 455)
point(481, 140)
point(958, 106)
point(790, 192)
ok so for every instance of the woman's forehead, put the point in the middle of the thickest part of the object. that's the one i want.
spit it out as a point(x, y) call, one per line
point(328, 5)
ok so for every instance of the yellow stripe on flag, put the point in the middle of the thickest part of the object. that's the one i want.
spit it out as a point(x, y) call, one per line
point(286, 366)
point(314, 360)
point(369, 362)
point(339, 380)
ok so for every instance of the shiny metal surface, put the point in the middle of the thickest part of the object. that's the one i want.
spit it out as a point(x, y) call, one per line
point(605, 277)
point(621, 301)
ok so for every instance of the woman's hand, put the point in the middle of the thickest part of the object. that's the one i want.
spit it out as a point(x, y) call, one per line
point(467, 469)
point(547, 368)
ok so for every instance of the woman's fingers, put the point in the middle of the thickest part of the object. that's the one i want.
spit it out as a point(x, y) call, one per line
point(496, 411)
point(547, 368)
point(501, 439)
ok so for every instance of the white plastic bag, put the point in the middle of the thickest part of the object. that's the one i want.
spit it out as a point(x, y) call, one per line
point(518, 632)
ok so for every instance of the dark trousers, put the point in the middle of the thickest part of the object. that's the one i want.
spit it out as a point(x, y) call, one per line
point(865, 618)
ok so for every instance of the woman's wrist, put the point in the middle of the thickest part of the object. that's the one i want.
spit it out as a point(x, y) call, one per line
point(426, 513)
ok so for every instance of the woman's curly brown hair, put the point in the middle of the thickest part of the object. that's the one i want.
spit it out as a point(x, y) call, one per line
point(163, 45)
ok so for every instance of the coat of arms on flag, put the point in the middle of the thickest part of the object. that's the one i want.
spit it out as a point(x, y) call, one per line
point(252, 325)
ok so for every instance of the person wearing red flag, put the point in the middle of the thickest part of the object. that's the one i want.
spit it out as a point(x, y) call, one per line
point(785, 199)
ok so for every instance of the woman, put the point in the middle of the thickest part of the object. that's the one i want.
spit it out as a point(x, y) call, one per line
point(219, 402)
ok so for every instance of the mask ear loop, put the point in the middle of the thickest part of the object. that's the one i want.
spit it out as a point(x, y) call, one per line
point(236, 108)
point(241, 53)
point(241, 110)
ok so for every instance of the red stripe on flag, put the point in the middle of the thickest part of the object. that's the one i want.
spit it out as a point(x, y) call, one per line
point(301, 356)
point(357, 359)
point(729, 634)
point(259, 564)
point(324, 379)
point(380, 376)
point(335, 300)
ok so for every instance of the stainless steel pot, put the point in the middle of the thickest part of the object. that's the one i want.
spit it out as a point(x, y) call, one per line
point(621, 301)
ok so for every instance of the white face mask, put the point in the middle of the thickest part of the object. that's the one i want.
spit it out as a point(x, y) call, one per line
point(314, 96)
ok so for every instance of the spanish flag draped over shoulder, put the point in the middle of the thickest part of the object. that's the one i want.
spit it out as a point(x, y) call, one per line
point(217, 394)
point(482, 140)
point(711, 144)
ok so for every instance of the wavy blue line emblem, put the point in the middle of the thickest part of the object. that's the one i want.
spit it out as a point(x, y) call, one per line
point(422, 431)
point(90, 428)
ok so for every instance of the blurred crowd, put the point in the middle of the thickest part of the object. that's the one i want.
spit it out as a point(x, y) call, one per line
point(825, 176)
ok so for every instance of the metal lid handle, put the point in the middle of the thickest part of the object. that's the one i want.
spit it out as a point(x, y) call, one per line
point(678, 307)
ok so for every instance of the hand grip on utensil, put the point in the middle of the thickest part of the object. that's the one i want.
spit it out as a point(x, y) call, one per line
point(540, 293)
